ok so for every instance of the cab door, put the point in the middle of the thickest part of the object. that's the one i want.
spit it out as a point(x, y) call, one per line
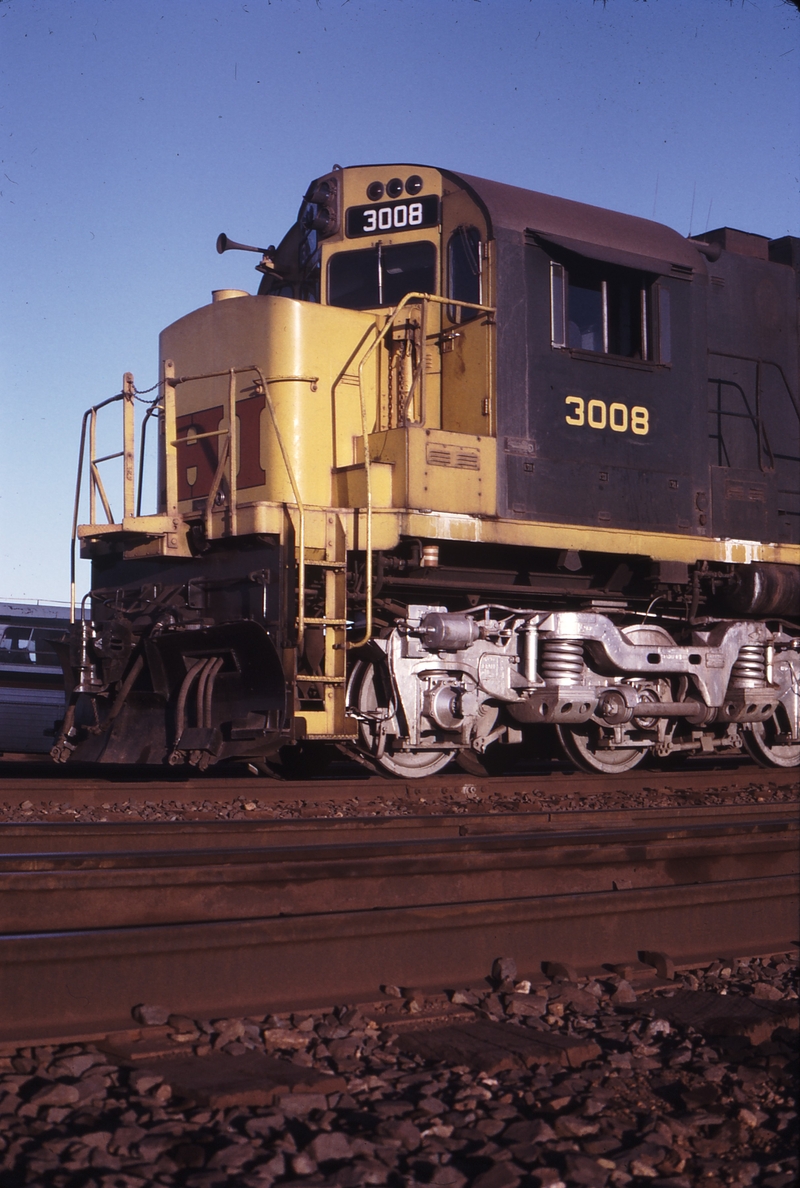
point(466, 335)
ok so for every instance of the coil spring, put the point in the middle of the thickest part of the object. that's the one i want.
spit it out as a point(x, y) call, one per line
point(750, 669)
point(562, 661)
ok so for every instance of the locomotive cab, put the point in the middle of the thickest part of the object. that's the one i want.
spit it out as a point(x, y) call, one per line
point(473, 461)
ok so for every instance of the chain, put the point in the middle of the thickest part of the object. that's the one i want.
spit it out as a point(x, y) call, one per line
point(139, 392)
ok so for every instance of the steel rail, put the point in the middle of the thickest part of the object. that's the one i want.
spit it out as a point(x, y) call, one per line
point(57, 836)
point(78, 981)
point(216, 886)
point(328, 914)
point(318, 847)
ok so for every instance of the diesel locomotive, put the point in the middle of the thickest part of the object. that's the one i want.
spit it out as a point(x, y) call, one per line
point(475, 468)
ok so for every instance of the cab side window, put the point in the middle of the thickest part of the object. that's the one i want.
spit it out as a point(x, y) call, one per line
point(464, 273)
point(608, 310)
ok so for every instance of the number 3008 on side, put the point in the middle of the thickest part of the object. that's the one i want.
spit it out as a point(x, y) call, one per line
point(598, 415)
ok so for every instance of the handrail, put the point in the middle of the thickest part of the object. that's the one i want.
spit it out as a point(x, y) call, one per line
point(301, 511)
point(313, 380)
point(755, 418)
point(761, 426)
point(228, 454)
point(187, 440)
point(762, 363)
point(155, 407)
point(216, 482)
point(228, 451)
point(391, 317)
point(233, 440)
point(96, 483)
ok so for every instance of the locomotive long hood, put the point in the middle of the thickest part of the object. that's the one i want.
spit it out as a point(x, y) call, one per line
point(588, 230)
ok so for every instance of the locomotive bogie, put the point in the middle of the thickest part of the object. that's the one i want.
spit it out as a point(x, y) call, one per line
point(473, 462)
point(458, 681)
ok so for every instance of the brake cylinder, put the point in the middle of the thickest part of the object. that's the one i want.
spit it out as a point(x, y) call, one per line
point(443, 632)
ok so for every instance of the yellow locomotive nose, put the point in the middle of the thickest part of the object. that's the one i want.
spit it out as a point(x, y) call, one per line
point(290, 361)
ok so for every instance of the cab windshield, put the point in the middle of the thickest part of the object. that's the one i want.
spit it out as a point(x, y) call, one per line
point(377, 276)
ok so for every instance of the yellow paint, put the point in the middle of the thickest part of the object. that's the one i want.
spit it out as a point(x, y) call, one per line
point(283, 338)
point(391, 524)
point(350, 485)
point(438, 470)
point(467, 348)
point(354, 184)
point(661, 546)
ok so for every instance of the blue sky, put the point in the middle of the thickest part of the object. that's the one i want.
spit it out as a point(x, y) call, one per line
point(134, 131)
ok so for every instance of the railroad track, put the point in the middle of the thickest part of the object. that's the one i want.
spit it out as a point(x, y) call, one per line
point(215, 918)
point(43, 785)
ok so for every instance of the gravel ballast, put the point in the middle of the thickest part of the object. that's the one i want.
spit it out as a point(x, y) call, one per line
point(257, 799)
point(664, 1083)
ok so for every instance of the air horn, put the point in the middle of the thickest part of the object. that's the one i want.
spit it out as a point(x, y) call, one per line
point(227, 245)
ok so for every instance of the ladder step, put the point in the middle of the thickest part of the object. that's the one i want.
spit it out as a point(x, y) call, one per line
point(326, 622)
point(321, 680)
point(341, 566)
point(331, 737)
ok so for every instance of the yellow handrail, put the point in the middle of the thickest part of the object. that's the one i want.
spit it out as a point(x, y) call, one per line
point(301, 570)
point(228, 454)
point(391, 318)
point(95, 481)
point(227, 457)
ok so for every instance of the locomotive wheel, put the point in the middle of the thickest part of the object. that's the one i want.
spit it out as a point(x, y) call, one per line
point(371, 697)
point(489, 763)
point(759, 742)
point(414, 764)
point(581, 745)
